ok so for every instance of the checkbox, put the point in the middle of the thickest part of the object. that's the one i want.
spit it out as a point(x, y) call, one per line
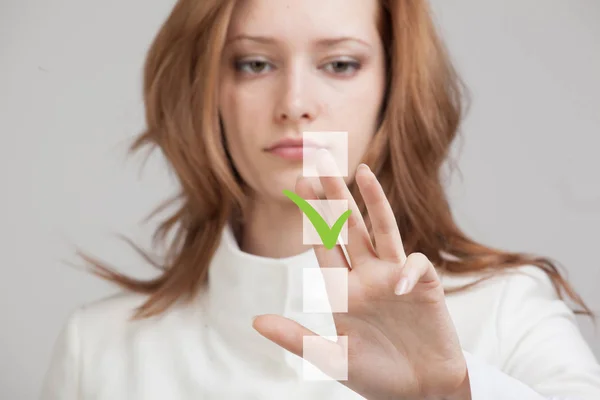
point(325, 358)
point(330, 210)
point(325, 290)
point(336, 142)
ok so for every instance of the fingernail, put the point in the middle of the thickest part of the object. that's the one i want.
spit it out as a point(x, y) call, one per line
point(364, 167)
point(402, 286)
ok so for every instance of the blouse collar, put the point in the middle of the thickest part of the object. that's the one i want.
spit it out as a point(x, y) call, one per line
point(242, 285)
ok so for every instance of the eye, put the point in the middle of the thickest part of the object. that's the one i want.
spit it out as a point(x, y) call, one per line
point(344, 67)
point(252, 67)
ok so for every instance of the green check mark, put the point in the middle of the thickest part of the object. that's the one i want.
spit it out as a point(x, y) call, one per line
point(328, 235)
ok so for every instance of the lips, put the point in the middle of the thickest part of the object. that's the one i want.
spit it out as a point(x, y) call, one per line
point(295, 143)
point(294, 149)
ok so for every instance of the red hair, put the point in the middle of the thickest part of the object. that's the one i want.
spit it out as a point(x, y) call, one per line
point(419, 121)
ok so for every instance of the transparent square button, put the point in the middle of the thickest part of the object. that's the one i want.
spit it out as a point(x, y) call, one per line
point(325, 290)
point(336, 144)
point(330, 210)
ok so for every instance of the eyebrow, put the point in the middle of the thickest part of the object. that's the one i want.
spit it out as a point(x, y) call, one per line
point(326, 42)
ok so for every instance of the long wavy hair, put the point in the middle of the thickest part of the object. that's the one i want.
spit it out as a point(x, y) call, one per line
point(423, 107)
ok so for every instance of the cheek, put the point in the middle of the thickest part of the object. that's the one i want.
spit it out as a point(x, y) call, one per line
point(364, 112)
point(229, 110)
point(227, 107)
point(358, 143)
point(237, 108)
point(241, 106)
point(358, 108)
point(233, 116)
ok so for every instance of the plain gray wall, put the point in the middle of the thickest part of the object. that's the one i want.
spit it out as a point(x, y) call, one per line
point(70, 84)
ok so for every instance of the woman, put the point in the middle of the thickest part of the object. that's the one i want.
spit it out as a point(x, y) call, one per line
point(230, 86)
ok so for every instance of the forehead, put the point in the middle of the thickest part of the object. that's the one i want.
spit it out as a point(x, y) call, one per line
point(289, 19)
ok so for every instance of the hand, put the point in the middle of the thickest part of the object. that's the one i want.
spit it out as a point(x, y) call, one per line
point(399, 345)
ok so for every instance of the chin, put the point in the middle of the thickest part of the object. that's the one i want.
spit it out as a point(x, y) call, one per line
point(276, 183)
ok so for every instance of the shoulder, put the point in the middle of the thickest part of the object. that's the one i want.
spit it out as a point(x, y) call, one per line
point(530, 301)
point(107, 313)
point(110, 320)
point(523, 281)
point(524, 290)
point(522, 293)
point(99, 333)
point(525, 293)
point(98, 320)
point(100, 340)
point(500, 307)
point(119, 306)
point(533, 334)
point(90, 330)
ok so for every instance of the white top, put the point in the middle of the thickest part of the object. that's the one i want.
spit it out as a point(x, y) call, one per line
point(520, 341)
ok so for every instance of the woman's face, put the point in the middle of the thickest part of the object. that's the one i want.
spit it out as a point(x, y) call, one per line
point(292, 66)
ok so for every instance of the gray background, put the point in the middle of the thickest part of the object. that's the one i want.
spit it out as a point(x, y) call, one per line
point(70, 102)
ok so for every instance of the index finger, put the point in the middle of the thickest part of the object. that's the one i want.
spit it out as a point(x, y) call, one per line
point(388, 242)
point(359, 246)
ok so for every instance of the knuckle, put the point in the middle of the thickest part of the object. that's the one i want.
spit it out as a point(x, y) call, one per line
point(352, 221)
point(418, 259)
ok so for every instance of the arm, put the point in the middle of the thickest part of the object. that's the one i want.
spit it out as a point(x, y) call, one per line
point(61, 381)
point(544, 354)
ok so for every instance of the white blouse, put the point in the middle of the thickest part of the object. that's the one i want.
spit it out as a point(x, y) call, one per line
point(521, 342)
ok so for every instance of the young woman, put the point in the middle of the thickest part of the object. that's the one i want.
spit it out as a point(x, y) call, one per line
point(230, 87)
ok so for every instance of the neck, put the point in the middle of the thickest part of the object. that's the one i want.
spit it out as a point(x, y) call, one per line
point(272, 229)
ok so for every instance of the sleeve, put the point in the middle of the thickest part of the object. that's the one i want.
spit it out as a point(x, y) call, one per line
point(61, 381)
point(544, 356)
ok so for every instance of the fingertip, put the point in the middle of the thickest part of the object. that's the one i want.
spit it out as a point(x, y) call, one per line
point(364, 168)
point(255, 319)
point(364, 173)
point(403, 286)
point(255, 324)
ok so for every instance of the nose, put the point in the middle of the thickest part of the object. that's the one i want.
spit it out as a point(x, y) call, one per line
point(297, 103)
